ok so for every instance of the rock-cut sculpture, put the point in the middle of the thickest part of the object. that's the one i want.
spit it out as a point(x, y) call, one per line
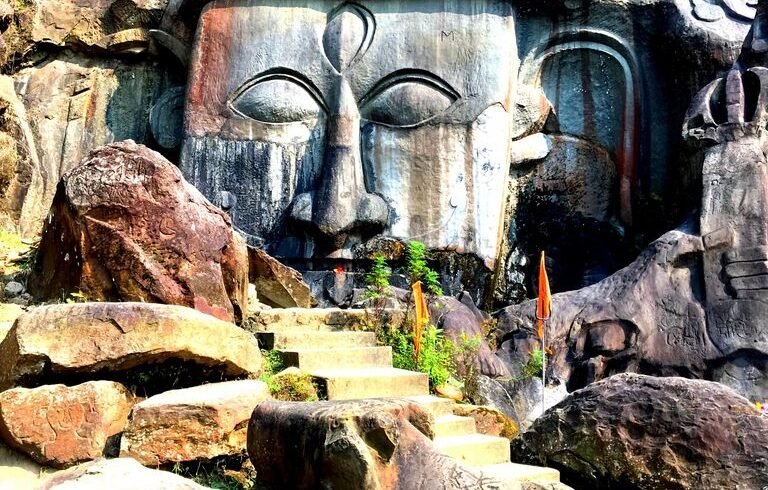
point(695, 303)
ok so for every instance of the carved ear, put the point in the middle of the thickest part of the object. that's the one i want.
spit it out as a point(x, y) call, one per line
point(532, 113)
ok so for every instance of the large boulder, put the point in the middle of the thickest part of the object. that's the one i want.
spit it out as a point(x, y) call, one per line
point(640, 432)
point(125, 226)
point(200, 423)
point(117, 474)
point(277, 284)
point(354, 445)
point(60, 426)
point(152, 346)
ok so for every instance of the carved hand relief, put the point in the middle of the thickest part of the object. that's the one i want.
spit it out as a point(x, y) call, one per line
point(713, 10)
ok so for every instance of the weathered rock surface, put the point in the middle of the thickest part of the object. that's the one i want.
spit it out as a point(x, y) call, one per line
point(276, 284)
point(640, 432)
point(645, 318)
point(460, 316)
point(126, 226)
point(192, 424)
point(365, 444)
point(60, 426)
point(155, 346)
point(117, 474)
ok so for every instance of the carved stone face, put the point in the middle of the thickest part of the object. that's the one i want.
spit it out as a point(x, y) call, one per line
point(319, 125)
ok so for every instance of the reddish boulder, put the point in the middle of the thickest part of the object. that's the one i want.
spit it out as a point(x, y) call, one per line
point(59, 425)
point(149, 346)
point(199, 423)
point(126, 226)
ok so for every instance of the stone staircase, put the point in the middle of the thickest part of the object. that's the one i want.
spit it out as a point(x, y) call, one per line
point(348, 364)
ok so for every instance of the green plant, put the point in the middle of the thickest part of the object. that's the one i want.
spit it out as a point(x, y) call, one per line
point(535, 364)
point(272, 363)
point(418, 270)
point(285, 386)
point(377, 281)
point(435, 360)
point(293, 387)
point(377, 291)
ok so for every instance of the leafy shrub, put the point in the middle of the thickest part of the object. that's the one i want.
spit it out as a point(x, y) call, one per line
point(435, 359)
point(377, 280)
point(272, 363)
point(535, 364)
point(418, 270)
point(293, 387)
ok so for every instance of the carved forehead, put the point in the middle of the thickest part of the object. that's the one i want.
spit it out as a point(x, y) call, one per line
point(468, 44)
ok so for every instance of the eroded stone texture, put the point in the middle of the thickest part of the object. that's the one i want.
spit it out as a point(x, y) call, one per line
point(363, 444)
point(21, 181)
point(73, 105)
point(322, 156)
point(200, 423)
point(117, 474)
point(647, 317)
point(60, 426)
point(126, 226)
point(641, 432)
point(694, 302)
point(170, 345)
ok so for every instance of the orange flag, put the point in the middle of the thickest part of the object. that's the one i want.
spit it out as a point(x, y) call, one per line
point(422, 317)
point(544, 300)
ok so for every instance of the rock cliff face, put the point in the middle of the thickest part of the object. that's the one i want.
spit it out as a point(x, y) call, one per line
point(694, 302)
point(494, 130)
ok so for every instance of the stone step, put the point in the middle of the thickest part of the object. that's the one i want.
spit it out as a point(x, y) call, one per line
point(307, 319)
point(295, 340)
point(310, 360)
point(438, 406)
point(453, 425)
point(521, 473)
point(374, 382)
point(475, 449)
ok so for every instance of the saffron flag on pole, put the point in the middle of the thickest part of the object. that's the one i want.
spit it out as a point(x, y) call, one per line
point(422, 317)
point(544, 299)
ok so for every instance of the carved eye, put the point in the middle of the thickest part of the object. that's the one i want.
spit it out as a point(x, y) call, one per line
point(277, 98)
point(407, 99)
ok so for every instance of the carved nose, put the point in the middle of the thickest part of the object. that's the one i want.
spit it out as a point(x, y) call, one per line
point(340, 204)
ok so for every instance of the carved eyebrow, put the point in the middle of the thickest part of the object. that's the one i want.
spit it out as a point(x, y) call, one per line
point(279, 73)
point(410, 75)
